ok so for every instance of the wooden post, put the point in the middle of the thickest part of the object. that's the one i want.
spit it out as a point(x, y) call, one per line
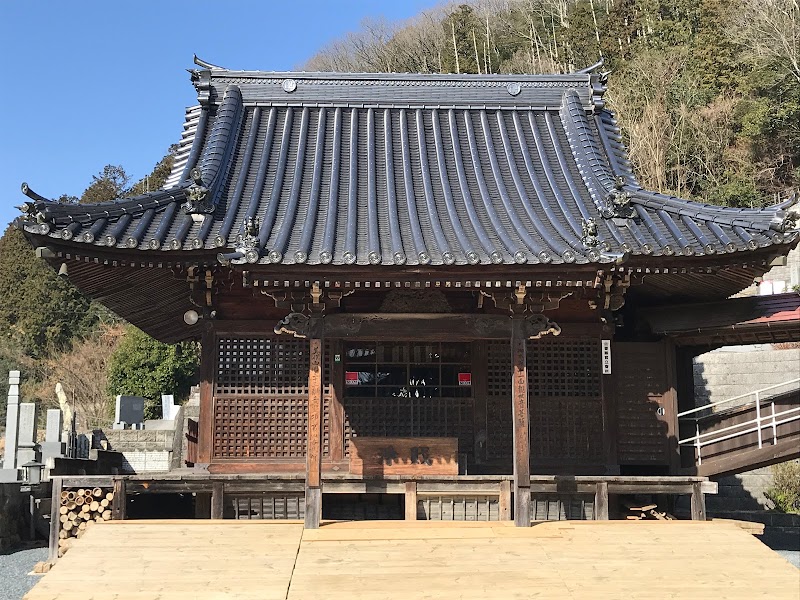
point(313, 512)
point(120, 502)
point(205, 434)
point(202, 506)
point(411, 500)
point(336, 418)
point(217, 500)
point(601, 501)
point(519, 402)
point(698, 502)
point(55, 522)
point(505, 500)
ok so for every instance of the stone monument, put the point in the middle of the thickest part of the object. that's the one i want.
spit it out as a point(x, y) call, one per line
point(10, 472)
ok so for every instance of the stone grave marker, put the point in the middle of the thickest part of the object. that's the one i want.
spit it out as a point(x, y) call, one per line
point(129, 411)
point(9, 471)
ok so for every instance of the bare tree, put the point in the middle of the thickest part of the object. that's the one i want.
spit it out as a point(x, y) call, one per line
point(770, 28)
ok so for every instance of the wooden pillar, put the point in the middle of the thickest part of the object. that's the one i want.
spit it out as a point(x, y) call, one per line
point(205, 433)
point(313, 512)
point(411, 500)
point(698, 502)
point(217, 500)
point(522, 450)
point(55, 522)
point(336, 417)
point(505, 500)
point(119, 504)
point(601, 501)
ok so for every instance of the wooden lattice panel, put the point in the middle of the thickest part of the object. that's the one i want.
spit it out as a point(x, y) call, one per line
point(260, 427)
point(261, 398)
point(261, 366)
point(565, 398)
point(565, 393)
point(566, 428)
point(500, 434)
point(563, 367)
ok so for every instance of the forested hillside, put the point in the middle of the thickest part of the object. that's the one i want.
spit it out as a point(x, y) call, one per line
point(53, 334)
point(707, 91)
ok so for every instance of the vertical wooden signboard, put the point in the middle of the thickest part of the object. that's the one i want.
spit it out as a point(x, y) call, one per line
point(314, 439)
point(519, 402)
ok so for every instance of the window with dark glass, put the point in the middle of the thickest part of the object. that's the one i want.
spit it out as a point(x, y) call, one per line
point(407, 370)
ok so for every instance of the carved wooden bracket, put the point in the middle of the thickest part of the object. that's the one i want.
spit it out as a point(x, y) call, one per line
point(522, 301)
point(295, 324)
point(202, 286)
point(538, 325)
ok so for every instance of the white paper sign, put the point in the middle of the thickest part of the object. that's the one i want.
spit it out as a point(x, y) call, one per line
point(606, 357)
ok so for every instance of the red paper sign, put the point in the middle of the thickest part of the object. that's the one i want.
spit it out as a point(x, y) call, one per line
point(465, 379)
point(351, 377)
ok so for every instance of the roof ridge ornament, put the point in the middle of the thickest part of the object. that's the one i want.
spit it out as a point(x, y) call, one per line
point(197, 195)
point(618, 201)
point(205, 64)
point(787, 218)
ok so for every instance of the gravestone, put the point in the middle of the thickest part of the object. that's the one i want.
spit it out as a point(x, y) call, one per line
point(129, 411)
point(169, 409)
point(9, 471)
point(52, 445)
point(26, 444)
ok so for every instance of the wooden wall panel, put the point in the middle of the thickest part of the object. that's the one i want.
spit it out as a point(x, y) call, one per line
point(641, 384)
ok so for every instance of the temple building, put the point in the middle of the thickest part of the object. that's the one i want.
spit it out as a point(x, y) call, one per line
point(399, 276)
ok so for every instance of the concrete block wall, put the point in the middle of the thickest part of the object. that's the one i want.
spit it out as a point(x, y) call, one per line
point(142, 450)
point(736, 370)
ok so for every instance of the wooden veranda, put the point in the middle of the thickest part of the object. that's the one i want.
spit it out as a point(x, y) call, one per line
point(379, 559)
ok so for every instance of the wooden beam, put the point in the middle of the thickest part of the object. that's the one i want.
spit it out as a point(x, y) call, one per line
point(601, 501)
point(205, 437)
point(419, 326)
point(314, 437)
point(519, 403)
point(217, 500)
point(119, 504)
point(55, 522)
point(411, 500)
point(698, 502)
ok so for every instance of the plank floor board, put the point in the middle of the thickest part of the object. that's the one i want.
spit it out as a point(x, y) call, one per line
point(136, 560)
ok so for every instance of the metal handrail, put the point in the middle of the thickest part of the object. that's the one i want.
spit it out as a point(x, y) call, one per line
point(754, 425)
point(756, 393)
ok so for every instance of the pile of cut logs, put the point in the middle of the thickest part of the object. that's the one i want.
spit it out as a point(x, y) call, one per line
point(80, 509)
point(648, 511)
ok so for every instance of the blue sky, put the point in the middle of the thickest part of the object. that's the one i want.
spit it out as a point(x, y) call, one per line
point(92, 83)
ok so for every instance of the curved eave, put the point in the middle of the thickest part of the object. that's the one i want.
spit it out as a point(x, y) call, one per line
point(307, 185)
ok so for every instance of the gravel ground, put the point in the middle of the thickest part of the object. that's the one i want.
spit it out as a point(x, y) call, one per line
point(15, 564)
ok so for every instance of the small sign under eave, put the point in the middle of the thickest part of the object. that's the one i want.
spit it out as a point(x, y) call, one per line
point(351, 377)
point(465, 379)
point(606, 357)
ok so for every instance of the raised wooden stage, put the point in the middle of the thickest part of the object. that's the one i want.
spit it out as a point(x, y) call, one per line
point(379, 559)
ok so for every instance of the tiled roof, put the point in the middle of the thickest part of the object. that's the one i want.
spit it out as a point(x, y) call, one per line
point(321, 168)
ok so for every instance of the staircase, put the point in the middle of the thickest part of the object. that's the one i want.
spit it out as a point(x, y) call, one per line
point(742, 433)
